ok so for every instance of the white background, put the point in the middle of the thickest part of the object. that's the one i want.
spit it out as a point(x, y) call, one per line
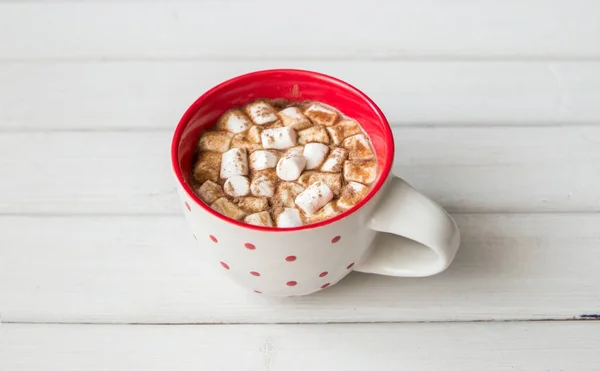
point(496, 112)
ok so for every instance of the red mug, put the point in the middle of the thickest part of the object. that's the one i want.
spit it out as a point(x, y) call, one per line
point(393, 231)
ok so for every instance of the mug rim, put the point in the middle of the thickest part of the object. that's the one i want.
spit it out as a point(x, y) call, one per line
point(340, 84)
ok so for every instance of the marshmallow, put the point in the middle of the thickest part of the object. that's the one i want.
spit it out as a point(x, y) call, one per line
point(321, 115)
point(262, 218)
point(234, 121)
point(207, 167)
point(290, 166)
point(327, 212)
point(343, 130)
point(209, 192)
point(260, 160)
point(335, 161)
point(293, 117)
point(279, 138)
point(315, 154)
point(352, 194)
point(286, 194)
point(253, 204)
point(314, 198)
point(313, 134)
point(276, 124)
point(237, 186)
point(363, 172)
point(289, 218)
point(358, 147)
point(254, 134)
point(215, 141)
point(261, 113)
point(262, 186)
point(234, 162)
point(242, 140)
point(297, 150)
point(228, 208)
point(333, 180)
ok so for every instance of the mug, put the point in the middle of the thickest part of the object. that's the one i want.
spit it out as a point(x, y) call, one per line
point(393, 231)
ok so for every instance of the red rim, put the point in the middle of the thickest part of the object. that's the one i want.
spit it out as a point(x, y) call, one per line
point(389, 141)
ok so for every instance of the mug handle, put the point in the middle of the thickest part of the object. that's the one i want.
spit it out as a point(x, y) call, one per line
point(417, 237)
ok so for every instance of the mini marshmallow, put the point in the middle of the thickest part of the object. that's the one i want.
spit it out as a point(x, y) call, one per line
point(215, 141)
point(262, 186)
point(297, 150)
point(253, 204)
point(343, 130)
point(314, 198)
point(327, 212)
point(234, 121)
point(321, 115)
point(314, 153)
point(290, 166)
point(261, 113)
point(289, 218)
point(335, 161)
point(279, 138)
point(363, 172)
point(358, 147)
point(333, 180)
point(254, 134)
point(352, 194)
point(234, 162)
point(237, 186)
point(260, 160)
point(207, 167)
point(293, 117)
point(228, 208)
point(242, 140)
point(262, 218)
point(286, 194)
point(209, 192)
point(274, 125)
point(313, 134)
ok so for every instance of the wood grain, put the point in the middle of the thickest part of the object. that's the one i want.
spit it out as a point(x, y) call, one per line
point(499, 169)
point(150, 270)
point(98, 96)
point(425, 347)
point(223, 29)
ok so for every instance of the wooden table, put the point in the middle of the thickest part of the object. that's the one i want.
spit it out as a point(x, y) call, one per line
point(496, 111)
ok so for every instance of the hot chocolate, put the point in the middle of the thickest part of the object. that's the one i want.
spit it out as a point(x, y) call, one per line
point(284, 164)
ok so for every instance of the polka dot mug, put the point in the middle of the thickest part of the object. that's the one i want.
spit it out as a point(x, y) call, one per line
point(393, 231)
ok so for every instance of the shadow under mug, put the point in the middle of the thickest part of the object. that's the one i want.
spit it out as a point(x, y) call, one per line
point(393, 231)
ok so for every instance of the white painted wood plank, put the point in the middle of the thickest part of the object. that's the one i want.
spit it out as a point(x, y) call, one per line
point(127, 95)
point(538, 346)
point(150, 270)
point(501, 169)
point(259, 29)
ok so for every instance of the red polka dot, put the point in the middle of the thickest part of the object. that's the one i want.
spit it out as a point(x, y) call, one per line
point(188, 206)
point(255, 274)
point(224, 265)
point(213, 238)
point(323, 274)
point(325, 286)
point(292, 283)
point(258, 292)
point(350, 266)
point(249, 246)
point(336, 239)
point(290, 258)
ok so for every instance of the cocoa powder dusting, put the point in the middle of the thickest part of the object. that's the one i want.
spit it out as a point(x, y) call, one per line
point(212, 143)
